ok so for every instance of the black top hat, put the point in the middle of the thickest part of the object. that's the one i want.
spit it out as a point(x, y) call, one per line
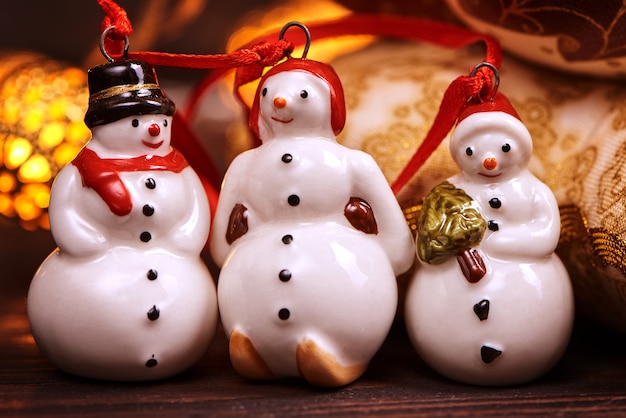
point(124, 88)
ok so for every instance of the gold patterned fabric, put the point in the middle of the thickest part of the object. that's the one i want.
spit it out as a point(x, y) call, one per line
point(393, 92)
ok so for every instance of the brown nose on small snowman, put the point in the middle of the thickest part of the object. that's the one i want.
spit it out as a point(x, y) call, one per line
point(154, 129)
point(280, 102)
point(490, 163)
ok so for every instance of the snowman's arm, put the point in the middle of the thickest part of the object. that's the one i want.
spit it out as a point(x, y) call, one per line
point(538, 237)
point(191, 234)
point(228, 198)
point(394, 234)
point(545, 229)
point(73, 231)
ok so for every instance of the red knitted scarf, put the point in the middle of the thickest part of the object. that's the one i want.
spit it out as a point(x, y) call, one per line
point(102, 174)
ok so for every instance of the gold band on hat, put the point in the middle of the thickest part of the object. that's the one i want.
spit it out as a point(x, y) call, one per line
point(125, 88)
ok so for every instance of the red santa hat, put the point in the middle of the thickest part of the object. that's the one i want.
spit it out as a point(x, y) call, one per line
point(497, 114)
point(499, 103)
point(318, 69)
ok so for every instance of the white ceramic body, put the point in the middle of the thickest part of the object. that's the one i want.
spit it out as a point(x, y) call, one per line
point(342, 294)
point(531, 306)
point(88, 302)
point(530, 319)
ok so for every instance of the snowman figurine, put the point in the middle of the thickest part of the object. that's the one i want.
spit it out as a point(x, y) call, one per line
point(126, 296)
point(490, 304)
point(309, 238)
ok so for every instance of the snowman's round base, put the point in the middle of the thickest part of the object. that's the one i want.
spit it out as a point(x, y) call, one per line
point(109, 320)
point(331, 313)
point(509, 328)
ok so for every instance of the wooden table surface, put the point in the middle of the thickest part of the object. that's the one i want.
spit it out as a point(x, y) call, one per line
point(590, 381)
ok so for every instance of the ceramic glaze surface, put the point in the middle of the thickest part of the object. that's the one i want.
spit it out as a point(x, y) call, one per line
point(126, 296)
point(513, 324)
point(307, 286)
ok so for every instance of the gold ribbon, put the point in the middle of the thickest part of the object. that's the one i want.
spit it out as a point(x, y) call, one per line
point(125, 88)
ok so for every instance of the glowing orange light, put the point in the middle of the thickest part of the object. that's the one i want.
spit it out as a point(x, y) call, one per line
point(7, 183)
point(17, 152)
point(35, 169)
point(42, 104)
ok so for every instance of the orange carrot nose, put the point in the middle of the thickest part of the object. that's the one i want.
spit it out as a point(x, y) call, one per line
point(490, 163)
point(280, 102)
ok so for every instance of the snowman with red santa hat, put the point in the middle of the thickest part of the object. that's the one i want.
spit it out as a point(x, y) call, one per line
point(490, 302)
point(309, 238)
point(126, 296)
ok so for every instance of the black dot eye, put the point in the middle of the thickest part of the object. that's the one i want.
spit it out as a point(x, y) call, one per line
point(304, 94)
point(506, 148)
point(264, 92)
point(469, 151)
point(135, 123)
point(165, 122)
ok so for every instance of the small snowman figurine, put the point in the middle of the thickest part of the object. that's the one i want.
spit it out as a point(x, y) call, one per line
point(490, 304)
point(126, 296)
point(309, 238)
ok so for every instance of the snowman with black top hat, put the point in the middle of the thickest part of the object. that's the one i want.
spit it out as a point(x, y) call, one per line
point(126, 296)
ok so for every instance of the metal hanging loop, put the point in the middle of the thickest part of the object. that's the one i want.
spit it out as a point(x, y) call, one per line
point(103, 48)
point(496, 76)
point(306, 31)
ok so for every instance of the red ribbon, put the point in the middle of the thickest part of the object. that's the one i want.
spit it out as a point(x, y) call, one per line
point(266, 51)
point(458, 93)
point(456, 96)
point(116, 17)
